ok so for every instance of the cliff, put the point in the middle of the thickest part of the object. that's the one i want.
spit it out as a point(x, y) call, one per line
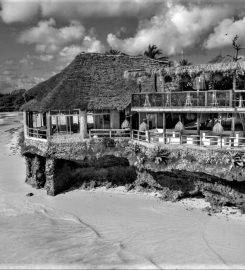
point(175, 171)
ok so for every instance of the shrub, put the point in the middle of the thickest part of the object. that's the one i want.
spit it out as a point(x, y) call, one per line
point(108, 142)
point(158, 155)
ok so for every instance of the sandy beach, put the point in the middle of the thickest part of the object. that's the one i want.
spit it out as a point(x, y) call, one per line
point(107, 228)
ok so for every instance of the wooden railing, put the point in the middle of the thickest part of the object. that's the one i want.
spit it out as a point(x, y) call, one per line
point(37, 133)
point(180, 139)
point(211, 98)
point(110, 133)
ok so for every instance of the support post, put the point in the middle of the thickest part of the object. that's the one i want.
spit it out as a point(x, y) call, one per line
point(233, 124)
point(155, 82)
point(148, 136)
point(243, 123)
point(49, 127)
point(234, 89)
point(231, 99)
point(198, 127)
point(206, 99)
point(139, 118)
point(162, 78)
point(25, 122)
point(164, 127)
point(83, 124)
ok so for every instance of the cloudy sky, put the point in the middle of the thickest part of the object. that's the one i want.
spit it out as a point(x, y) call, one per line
point(40, 37)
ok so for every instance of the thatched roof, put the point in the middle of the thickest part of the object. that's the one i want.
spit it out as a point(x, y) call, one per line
point(91, 81)
point(192, 70)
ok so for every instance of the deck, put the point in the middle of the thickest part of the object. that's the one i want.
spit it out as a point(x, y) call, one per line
point(151, 137)
point(206, 139)
point(226, 101)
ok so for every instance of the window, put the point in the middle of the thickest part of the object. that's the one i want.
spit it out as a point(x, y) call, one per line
point(99, 119)
point(63, 123)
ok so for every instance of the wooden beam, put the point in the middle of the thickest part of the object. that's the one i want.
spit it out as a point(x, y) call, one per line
point(233, 124)
point(164, 127)
point(233, 89)
point(49, 125)
point(189, 110)
point(83, 124)
point(25, 122)
point(198, 126)
point(243, 122)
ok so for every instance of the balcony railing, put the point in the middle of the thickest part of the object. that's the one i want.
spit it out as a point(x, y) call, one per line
point(109, 133)
point(211, 98)
point(37, 133)
point(176, 138)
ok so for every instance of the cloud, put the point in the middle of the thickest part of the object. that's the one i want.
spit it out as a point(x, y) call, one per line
point(23, 10)
point(174, 28)
point(225, 32)
point(89, 44)
point(49, 39)
point(46, 57)
point(18, 11)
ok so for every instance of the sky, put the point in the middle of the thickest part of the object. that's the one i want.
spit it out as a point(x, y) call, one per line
point(40, 37)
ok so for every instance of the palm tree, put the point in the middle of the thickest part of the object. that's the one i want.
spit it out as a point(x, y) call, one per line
point(237, 47)
point(218, 59)
point(114, 52)
point(184, 62)
point(152, 51)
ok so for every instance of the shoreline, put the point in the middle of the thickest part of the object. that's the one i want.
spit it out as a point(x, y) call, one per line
point(187, 203)
point(139, 227)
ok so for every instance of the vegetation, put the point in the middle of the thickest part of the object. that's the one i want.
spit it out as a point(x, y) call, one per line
point(237, 47)
point(218, 59)
point(185, 62)
point(114, 52)
point(12, 101)
point(108, 142)
point(152, 52)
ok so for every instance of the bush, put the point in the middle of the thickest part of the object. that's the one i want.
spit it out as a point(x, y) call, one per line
point(108, 142)
point(158, 155)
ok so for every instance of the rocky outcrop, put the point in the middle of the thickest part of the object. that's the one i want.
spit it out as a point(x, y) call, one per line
point(178, 184)
point(35, 171)
point(176, 172)
point(58, 175)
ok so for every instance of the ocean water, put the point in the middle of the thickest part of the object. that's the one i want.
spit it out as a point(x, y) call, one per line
point(103, 230)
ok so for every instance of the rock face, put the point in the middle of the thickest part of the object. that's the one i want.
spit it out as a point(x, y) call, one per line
point(178, 184)
point(58, 175)
point(176, 172)
point(35, 171)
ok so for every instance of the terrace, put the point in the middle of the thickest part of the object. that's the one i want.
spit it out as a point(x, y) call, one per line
point(64, 126)
point(190, 101)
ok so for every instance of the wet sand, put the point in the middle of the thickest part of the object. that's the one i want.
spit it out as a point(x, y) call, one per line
point(107, 229)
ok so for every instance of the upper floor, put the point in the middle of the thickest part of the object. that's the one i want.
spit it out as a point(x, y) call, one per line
point(216, 101)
